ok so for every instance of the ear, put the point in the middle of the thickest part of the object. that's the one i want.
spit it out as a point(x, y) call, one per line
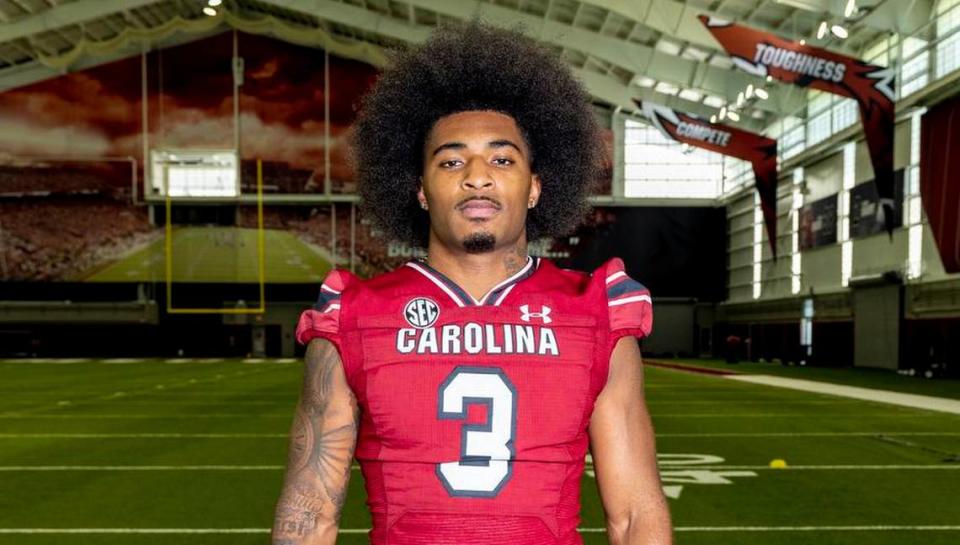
point(534, 189)
point(421, 196)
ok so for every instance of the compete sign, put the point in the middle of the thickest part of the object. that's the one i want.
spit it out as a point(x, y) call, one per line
point(764, 54)
point(760, 151)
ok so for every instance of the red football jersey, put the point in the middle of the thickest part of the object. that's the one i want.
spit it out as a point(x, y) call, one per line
point(474, 413)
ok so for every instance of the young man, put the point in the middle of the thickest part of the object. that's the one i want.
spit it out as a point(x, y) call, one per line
point(473, 381)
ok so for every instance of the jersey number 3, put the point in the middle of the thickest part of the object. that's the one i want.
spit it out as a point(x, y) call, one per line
point(486, 450)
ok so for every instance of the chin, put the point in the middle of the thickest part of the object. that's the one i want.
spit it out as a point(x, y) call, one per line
point(479, 242)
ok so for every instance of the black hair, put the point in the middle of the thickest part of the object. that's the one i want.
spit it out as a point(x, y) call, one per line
point(465, 67)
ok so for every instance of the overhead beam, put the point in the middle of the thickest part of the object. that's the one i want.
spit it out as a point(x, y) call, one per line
point(637, 58)
point(32, 72)
point(671, 18)
point(601, 87)
point(613, 92)
point(64, 15)
point(903, 17)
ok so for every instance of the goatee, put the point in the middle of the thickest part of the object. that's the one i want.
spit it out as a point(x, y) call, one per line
point(478, 243)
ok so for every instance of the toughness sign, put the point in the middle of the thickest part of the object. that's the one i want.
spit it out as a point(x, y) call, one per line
point(760, 151)
point(764, 54)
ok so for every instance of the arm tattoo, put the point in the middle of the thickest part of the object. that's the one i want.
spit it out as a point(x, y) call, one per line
point(322, 442)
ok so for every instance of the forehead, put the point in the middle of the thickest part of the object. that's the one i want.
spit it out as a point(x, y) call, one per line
point(462, 126)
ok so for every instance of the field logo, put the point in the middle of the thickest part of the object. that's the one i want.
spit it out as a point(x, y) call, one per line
point(677, 470)
point(421, 312)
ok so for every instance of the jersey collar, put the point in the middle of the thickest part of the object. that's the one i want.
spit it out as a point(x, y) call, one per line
point(494, 297)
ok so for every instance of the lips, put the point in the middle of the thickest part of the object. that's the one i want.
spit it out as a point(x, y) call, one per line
point(479, 209)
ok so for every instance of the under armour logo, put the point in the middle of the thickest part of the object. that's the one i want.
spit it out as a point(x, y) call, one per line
point(544, 314)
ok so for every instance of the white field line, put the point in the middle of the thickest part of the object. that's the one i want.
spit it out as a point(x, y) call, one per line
point(682, 402)
point(141, 435)
point(146, 468)
point(915, 401)
point(663, 467)
point(861, 528)
point(790, 415)
point(15, 416)
point(818, 434)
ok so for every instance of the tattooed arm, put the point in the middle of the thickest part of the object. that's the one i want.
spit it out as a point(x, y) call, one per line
point(321, 451)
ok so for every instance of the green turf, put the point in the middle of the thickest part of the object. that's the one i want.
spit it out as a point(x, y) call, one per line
point(219, 254)
point(883, 379)
point(851, 463)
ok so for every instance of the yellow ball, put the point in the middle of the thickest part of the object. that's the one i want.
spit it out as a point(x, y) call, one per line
point(778, 463)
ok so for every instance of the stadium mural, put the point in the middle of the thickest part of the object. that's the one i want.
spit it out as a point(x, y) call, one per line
point(72, 166)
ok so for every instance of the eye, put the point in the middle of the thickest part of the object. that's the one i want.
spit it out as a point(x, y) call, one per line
point(503, 161)
point(450, 163)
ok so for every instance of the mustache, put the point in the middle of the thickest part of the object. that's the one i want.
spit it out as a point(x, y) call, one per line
point(468, 200)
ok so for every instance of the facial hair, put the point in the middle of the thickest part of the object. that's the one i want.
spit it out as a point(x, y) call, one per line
point(479, 243)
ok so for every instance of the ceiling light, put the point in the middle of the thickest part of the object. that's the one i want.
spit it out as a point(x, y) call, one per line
point(769, 79)
point(803, 42)
point(851, 8)
point(713, 118)
point(822, 30)
point(734, 116)
point(839, 31)
point(214, 3)
point(762, 94)
point(723, 113)
point(740, 98)
point(749, 93)
point(210, 11)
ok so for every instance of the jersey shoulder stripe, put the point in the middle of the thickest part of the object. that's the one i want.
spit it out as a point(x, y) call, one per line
point(628, 301)
point(323, 320)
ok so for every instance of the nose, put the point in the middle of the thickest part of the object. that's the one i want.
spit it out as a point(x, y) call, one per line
point(476, 175)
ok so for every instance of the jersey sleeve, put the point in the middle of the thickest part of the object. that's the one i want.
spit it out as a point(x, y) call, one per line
point(323, 320)
point(628, 302)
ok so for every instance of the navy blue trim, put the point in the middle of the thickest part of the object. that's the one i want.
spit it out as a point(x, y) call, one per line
point(627, 286)
point(494, 295)
point(324, 299)
point(454, 287)
point(464, 296)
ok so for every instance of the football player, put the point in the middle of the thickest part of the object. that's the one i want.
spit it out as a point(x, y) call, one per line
point(470, 385)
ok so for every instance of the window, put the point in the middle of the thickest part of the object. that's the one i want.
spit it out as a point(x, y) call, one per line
point(914, 72)
point(843, 212)
point(757, 246)
point(948, 29)
point(794, 139)
point(914, 213)
point(193, 173)
point(736, 174)
point(657, 167)
point(796, 257)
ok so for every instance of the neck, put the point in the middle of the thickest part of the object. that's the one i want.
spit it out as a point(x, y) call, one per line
point(477, 273)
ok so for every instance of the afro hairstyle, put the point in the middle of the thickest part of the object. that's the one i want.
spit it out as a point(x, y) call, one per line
point(465, 67)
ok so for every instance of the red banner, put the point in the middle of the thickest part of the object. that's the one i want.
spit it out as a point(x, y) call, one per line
point(760, 151)
point(764, 54)
point(939, 179)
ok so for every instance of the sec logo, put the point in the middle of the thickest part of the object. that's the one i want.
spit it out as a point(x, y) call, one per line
point(421, 312)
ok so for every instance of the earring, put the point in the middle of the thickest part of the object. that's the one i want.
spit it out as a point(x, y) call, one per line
point(423, 205)
point(531, 204)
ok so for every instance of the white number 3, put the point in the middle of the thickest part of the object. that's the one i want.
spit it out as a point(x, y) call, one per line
point(486, 450)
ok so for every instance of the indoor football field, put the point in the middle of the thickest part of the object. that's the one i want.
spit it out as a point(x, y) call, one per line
point(219, 254)
point(132, 451)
